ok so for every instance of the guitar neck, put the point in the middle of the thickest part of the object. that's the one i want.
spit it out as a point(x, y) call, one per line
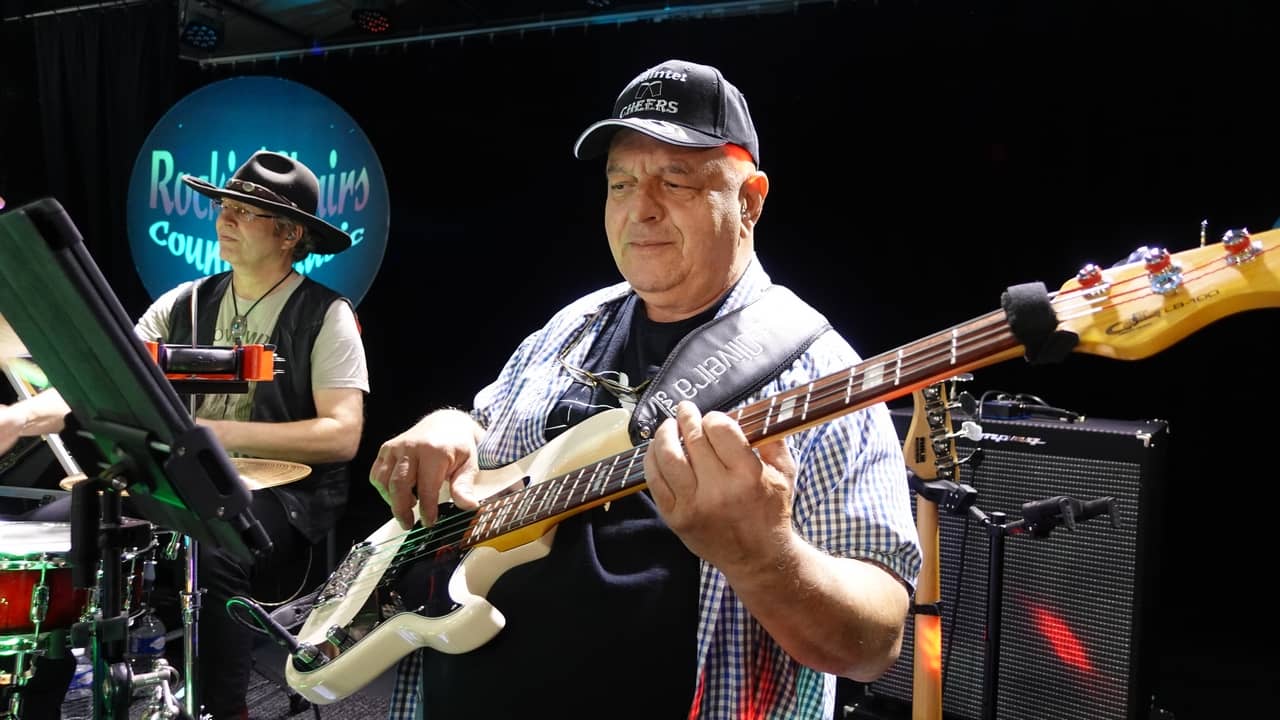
point(975, 344)
point(978, 343)
point(1127, 312)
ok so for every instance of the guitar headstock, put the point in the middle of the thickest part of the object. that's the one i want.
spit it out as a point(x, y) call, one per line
point(929, 447)
point(1138, 309)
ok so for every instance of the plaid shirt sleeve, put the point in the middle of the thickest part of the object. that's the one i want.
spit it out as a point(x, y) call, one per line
point(852, 500)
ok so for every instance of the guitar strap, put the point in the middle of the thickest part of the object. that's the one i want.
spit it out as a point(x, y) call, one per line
point(724, 361)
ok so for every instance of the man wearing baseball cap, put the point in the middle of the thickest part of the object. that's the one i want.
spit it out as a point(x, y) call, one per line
point(738, 582)
point(312, 413)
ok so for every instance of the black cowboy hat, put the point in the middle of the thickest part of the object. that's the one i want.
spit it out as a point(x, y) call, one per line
point(283, 185)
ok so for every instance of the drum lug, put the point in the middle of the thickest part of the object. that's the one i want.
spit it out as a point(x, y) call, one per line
point(39, 603)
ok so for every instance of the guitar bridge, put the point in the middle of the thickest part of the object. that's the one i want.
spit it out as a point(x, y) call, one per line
point(346, 572)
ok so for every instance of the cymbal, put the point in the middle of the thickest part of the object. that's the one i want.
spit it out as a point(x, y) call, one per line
point(259, 473)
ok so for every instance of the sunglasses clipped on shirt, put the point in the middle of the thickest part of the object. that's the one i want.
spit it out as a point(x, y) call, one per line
point(586, 377)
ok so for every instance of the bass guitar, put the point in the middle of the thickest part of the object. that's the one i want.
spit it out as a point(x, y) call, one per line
point(399, 591)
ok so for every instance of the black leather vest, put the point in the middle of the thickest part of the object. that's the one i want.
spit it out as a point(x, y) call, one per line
point(315, 502)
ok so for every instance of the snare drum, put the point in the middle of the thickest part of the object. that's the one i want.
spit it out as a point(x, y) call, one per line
point(36, 590)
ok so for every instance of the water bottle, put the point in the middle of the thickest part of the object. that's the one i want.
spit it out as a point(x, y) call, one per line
point(146, 642)
point(81, 686)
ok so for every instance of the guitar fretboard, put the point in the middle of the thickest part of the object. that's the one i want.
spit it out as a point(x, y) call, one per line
point(878, 379)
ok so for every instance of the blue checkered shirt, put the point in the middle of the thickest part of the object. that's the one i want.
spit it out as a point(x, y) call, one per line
point(852, 500)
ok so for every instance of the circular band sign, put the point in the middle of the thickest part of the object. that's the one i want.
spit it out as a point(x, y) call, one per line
point(209, 134)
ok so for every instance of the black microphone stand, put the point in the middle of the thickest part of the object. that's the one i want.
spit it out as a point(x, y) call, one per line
point(1039, 518)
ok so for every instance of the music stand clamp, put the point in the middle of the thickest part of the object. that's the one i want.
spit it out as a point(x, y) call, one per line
point(178, 476)
point(950, 496)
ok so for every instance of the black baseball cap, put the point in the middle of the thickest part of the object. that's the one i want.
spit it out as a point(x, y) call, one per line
point(677, 102)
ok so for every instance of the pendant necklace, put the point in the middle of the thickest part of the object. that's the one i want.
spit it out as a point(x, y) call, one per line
point(240, 322)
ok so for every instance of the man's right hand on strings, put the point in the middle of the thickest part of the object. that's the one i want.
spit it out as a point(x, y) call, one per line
point(417, 463)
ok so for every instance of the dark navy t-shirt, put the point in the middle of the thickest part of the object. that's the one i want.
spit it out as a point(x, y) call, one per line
point(605, 626)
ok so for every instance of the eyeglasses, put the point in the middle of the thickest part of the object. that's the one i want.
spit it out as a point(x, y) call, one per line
point(238, 212)
point(587, 377)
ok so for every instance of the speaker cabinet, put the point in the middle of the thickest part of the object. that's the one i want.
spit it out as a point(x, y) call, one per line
point(1073, 602)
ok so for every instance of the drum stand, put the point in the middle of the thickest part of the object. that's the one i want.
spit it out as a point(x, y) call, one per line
point(99, 540)
point(190, 594)
point(189, 598)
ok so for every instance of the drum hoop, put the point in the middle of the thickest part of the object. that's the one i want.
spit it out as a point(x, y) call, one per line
point(39, 562)
point(23, 643)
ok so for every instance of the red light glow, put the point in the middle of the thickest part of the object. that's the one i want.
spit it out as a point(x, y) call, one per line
point(1064, 642)
point(929, 643)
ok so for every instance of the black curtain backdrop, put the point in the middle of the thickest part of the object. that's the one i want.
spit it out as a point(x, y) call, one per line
point(924, 156)
point(84, 93)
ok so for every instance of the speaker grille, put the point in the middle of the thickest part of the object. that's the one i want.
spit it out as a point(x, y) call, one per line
point(1070, 636)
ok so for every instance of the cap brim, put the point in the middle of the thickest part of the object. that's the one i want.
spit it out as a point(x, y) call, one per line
point(594, 141)
point(329, 240)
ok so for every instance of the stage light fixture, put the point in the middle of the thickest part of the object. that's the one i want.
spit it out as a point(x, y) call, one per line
point(203, 28)
point(373, 16)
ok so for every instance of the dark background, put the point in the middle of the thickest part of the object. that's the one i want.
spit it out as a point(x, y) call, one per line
point(923, 157)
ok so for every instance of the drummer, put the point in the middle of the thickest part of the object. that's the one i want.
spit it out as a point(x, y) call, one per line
point(313, 413)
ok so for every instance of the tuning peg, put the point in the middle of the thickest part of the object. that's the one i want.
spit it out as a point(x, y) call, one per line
point(1089, 275)
point(1092, 282)
point(969, 430)
point(1165, 274)
point(966, 402)
point(931, 393)
point(1240, 246)
point(1156, 259)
